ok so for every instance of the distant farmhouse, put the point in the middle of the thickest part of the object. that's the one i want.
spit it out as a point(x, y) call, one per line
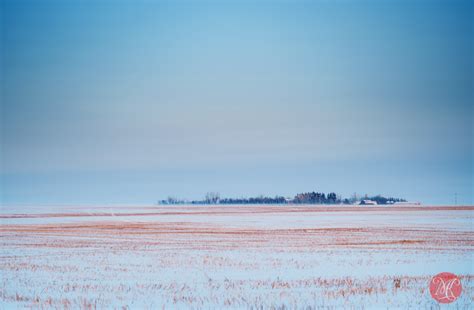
point(368, 202)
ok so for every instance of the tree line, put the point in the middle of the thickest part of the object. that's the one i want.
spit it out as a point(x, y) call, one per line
point(302, 198)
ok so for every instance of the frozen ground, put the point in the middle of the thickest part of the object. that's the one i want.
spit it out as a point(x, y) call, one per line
point(232, 256)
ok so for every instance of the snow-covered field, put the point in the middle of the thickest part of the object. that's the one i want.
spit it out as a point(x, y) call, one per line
point(232, 256)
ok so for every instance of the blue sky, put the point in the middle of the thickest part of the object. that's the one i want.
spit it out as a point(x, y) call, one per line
point(129, 102)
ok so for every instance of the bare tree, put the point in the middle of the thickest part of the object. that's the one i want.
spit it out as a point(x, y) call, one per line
point(212, 197)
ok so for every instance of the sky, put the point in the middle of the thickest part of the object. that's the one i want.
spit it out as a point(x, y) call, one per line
point(129, 102)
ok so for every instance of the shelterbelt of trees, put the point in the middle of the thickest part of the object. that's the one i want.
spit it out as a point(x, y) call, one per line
point(302, 198)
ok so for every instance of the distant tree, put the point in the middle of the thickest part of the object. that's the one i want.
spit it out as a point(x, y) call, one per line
point(172, 200)
point(332, 198)
point(354, 198)
point(212, 198)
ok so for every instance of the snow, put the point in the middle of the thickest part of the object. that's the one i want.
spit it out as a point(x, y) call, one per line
point(232, 256)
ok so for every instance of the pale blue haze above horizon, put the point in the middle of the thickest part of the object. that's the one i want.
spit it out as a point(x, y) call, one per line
point(110, 102)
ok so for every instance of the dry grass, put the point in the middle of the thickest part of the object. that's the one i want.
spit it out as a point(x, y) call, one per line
point(204, 264)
